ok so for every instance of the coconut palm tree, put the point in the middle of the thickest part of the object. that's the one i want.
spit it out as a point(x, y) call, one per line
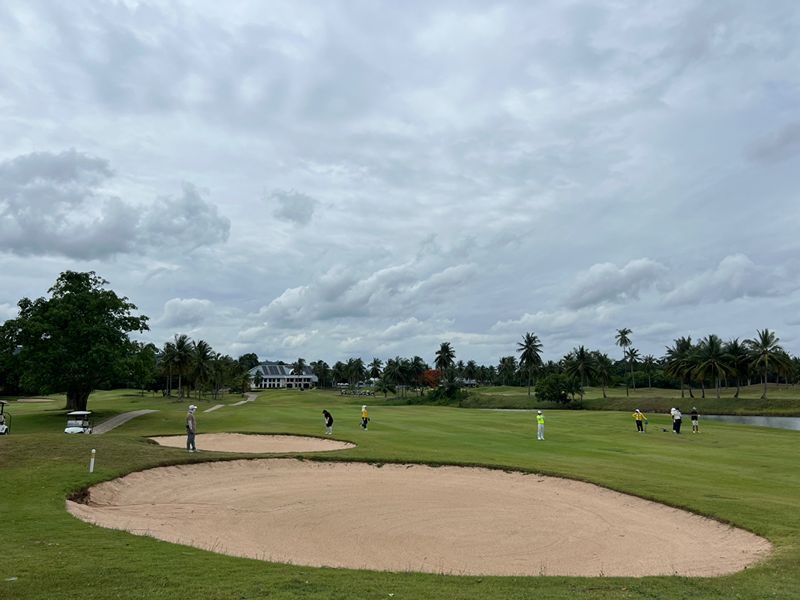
point(339, 373)
point(384, 387)
point(649, 365)
point(580, 365)
point(375, 368)
point(445, 357)
point(530, 358)
point(299, 367)
point(604, 370)
point(711, 361)
point(393, 372)
point(633, 358)
point(765, 354)
point(507, 369)
point(167, 364)
point(416, 369)
point(182, 358)
point(679, 362)
point(471, 371)
point(737, 357)
point(623, 341)
point(202, 364)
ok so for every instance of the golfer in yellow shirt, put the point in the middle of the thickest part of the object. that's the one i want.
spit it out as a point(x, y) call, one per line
point(540, 421)
point(639, 420)
point(364, 417)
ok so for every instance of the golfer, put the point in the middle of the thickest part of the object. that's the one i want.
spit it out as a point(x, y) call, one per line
point(328, 422)
point(639, 420)
point(191, 429)
point(695, 420)
point(364, 417)
point(672, 414)
point(677, 421)
point(540, 420)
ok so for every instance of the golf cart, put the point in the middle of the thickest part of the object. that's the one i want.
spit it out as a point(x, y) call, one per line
point(5, 419)
point(78, 422)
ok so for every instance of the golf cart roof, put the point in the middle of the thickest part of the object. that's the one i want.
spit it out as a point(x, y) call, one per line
point(3, 402)
point(79, 413)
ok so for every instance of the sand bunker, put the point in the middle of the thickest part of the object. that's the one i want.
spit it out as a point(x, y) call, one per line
point(255, 444)
point(416, 518)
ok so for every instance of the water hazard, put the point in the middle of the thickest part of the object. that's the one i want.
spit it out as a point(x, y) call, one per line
point(775, 422)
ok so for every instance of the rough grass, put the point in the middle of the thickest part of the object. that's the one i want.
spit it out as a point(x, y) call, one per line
point(744, 475)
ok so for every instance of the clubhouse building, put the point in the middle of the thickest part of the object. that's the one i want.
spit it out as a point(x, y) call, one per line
point(281, 377)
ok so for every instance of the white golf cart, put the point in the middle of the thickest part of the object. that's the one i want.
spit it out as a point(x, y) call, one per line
point(78, 422)
point(5, 419)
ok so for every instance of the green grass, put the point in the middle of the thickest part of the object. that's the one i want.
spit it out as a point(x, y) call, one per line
point(748, 476)
point(780, 402)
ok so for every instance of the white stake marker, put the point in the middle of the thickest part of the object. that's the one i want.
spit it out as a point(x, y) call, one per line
point(91, 464)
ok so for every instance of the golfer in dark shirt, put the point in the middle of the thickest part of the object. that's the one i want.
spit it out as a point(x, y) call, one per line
point(328, 422)
point(695, 421)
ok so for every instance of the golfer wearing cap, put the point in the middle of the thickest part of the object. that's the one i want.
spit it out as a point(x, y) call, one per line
point(540, 420)
point(191, 429)
point(639, 419)
point(364, 417)
point(695, 420)
point(328, 422)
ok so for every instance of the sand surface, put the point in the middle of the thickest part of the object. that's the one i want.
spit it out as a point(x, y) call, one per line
point(255, 444)
point(35, 400)
point(416, 518)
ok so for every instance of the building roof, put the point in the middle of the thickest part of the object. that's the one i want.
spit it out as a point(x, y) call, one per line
point(277, 370)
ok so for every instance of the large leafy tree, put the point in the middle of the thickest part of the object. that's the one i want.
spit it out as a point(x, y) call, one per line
point(249, 360)
point(74, 340)
point(142, 365)
point(530, 358)
point(623, 340)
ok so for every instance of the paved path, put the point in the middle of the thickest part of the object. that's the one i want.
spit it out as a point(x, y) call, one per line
point(239, 403)
point(252, 397)
point(213, 408)
point(115, 422)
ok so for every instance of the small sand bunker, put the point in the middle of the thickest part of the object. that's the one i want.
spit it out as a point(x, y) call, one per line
point(462, 521)
point(255, 444)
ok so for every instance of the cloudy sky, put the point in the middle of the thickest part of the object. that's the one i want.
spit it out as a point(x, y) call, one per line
point(336, 179)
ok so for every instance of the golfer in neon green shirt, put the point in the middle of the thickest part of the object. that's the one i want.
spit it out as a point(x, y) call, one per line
point(540, 420)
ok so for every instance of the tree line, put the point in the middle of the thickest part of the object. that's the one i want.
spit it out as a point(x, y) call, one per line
point(78, 341)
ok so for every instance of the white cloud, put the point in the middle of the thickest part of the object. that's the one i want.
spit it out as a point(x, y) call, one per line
point(55, 204)
point(735, 277)
point(7, 311)
point(186, 313)
point(607, 283)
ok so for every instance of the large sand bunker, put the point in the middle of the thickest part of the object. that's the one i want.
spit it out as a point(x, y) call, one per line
point(416, 518)
point(255, 444)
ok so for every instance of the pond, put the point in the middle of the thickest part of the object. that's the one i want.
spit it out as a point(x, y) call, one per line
point(776, 422)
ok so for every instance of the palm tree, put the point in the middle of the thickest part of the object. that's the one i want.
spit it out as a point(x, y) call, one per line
point(299, 367)
point(416, 369)
point(633, 358)
point(375, 368)
point(604, 370)
point(765, 354)
point(531, 357)
point(182, 358)
point(168, 364)
point(649, 364)
point(507, 368)
point(339, 373)
point(202, 363)
point(445, 357)
point(623, 341)
point(393, 373)
point(384, 387)
point(580, 365)
point(471, 371)
point(323, 372)
point(737, 358)
point(679, 362)
point(711, 361)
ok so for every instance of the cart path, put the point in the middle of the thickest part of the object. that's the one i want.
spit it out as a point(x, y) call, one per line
point(115, 422)
point(213, 408)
